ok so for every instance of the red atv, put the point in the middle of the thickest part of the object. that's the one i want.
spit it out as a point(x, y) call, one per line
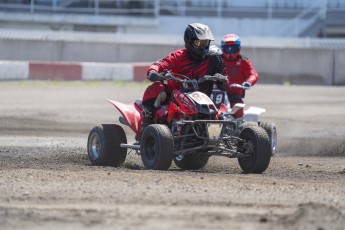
point(188, 129)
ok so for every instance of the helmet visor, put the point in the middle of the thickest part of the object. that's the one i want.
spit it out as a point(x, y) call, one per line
point(201, 43)
point(230, 49)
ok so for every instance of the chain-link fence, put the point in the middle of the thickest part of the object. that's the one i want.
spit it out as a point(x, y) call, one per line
point(269, 42)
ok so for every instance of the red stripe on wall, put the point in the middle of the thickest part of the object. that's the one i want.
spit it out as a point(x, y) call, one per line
point(140, 71)
point(55, 71)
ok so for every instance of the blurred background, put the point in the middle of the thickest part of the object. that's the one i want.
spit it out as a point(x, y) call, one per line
point(295, 41)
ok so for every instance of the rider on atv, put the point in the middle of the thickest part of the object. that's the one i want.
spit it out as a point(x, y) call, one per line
point(238, 67)
point(186, 127)
point(193, 61)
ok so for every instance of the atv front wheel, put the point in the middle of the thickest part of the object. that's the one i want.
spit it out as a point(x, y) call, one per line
point(193, 161)
point(103, 145)
point(157, 147)
point(256, 145)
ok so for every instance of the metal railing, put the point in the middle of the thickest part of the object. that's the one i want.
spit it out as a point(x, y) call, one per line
point(308, 11)
point(147, 39)
point(315, 12)
point(93, 7)
point(217, 8)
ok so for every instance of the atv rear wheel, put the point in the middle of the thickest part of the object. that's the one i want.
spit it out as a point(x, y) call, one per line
point(157, 147)
point(103, 145)
point(256, 144)
point(193, 161)
point(272, 134)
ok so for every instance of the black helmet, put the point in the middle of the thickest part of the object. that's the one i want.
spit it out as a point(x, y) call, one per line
point(197, 38)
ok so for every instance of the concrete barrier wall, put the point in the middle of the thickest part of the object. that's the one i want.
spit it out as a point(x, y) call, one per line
point(14, 70)
point(275, 65)
point(19, 50)
point(58, 71)
point(99, 71)
point(70, 51)
point(339, 67)
point(69, 71)
point(297, 66)
point(89, 52)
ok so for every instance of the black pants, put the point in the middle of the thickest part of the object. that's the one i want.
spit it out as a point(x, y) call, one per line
point(235, 98)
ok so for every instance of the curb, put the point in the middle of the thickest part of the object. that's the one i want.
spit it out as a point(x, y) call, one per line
point(72, 71)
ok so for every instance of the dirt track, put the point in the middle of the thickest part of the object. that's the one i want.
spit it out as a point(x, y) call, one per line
point(46, 180)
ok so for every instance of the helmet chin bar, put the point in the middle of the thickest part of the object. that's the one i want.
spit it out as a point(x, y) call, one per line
point(198, 53)
point(204, 51)
point(231, 57)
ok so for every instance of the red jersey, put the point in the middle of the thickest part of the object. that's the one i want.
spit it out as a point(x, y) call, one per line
point(239, 71)
point(179, 62)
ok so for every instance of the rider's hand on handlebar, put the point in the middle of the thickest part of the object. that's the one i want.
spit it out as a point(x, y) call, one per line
point(246, 84)
point(204, 78)
point(217, 77)
point(155, 76)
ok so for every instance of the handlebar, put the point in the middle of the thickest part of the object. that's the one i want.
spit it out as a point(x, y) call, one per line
point(186, 82)
point(238, 86)
point(169, 76)
point(194, 83)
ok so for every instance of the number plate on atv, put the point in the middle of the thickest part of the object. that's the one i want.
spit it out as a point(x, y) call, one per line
point(214, 130)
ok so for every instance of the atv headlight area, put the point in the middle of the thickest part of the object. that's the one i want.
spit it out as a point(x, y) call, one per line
point(208, 130)
point(214, 130)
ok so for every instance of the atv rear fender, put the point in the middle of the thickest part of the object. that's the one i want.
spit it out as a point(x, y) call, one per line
point(253, 114)
point(131, 114)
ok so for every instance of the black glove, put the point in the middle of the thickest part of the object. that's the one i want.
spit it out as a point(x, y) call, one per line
point(204, 78)
point(155, 76)
point(221, 78)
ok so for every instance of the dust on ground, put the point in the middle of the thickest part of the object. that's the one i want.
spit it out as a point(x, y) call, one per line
point(47, 181)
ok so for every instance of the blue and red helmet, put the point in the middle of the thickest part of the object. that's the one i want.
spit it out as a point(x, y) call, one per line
point(231, 46)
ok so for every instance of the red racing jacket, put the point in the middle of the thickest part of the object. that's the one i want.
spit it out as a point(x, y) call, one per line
point(179, 62)
point(239, 71)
